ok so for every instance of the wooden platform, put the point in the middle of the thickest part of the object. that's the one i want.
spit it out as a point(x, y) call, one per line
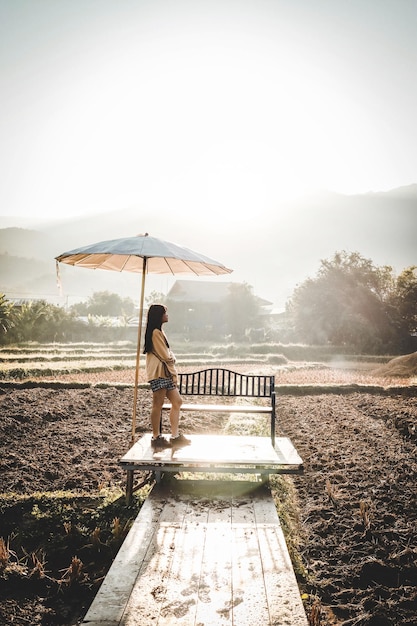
point(217, 453)
point(202, 553)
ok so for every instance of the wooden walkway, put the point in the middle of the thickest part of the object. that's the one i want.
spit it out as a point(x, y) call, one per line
point(202, 553)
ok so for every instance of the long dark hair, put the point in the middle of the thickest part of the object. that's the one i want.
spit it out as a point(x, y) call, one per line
point(155, 314)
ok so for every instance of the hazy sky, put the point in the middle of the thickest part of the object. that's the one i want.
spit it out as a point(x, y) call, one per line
point(214, 105)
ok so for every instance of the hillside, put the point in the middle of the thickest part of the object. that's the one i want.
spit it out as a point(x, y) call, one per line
point(273, 253)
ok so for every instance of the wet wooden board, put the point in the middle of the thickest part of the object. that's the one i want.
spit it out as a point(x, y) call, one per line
point(202, 553)
point(222, 453)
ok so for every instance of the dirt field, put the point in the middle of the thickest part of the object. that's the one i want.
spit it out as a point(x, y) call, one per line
point(357, 497)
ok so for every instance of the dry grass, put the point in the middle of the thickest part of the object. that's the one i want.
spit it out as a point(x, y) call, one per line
point(402, 367)
point(91, 363)
point(74, 573)
point(4, 553)
point(302, 374)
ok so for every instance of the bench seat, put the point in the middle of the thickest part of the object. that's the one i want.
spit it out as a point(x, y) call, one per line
point(222, 408)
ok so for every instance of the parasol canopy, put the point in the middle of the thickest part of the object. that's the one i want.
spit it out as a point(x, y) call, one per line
point(144, 255)
point(128, 254)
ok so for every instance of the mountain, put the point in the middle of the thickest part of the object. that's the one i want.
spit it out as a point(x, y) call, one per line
point(271, 250)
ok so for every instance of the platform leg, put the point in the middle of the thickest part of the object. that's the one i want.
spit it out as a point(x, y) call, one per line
point(129, 486)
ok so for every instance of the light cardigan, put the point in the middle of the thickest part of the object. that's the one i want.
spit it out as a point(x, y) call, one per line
point(154, 365)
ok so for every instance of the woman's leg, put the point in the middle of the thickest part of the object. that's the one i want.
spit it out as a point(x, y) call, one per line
point(174, 414)
point(158, 398)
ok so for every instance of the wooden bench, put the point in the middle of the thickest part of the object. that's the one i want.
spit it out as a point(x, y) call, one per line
point(237, 454)
point(224, 383)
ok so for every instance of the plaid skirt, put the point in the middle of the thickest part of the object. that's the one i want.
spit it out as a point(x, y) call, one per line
point(162, 383)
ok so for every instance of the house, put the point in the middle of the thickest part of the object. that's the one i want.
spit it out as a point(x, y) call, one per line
point(214, 308)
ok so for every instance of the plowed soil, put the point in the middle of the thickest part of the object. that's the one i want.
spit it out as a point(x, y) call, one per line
point(357, 498)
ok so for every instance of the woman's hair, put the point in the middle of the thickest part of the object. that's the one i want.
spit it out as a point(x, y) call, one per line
point(155, 315)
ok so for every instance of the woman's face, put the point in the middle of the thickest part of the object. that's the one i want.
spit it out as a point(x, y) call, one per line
point(165, 316)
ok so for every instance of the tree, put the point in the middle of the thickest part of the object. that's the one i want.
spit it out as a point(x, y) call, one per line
point(405, 298)
point(30, 319)
point(348, 303)
point(6, 316)
point(155, 297)
point(241, 310)
point(36, 320)
point(106, 304)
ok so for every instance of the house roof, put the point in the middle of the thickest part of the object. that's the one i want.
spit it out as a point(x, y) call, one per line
point(204, 291)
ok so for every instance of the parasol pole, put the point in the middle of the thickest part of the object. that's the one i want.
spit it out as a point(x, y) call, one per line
point(135, 394)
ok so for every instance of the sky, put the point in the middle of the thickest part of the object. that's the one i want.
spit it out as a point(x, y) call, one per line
point(222, 106)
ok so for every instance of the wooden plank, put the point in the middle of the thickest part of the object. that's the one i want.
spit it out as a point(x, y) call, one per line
point(215, 586)
point(285, 605)
point(213, 554)
point(250, 603)
point(183, 589)
point(149, 594)
point(110, 603)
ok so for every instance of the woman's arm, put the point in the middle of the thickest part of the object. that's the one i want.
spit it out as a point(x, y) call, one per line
point(164, 356)
point(160, 347)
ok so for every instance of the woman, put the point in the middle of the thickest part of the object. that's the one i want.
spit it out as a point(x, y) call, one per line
point(162, 376)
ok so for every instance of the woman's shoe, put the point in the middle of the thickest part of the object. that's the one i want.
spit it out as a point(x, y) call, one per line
point(160, 443)
point(180, 441)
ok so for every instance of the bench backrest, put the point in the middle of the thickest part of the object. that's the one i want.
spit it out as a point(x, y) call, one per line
point(222, 382)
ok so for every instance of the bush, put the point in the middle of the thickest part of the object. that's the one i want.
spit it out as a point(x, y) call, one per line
point(277, 359)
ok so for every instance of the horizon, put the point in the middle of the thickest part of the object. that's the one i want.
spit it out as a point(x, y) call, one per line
point(272, 256)
point(32, 221)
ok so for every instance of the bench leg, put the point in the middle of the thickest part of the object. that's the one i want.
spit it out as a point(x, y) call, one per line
point(273, 429)
point(129, 486)
point(273, 418)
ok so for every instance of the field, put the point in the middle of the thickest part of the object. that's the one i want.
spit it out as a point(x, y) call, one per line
point(350, 519)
